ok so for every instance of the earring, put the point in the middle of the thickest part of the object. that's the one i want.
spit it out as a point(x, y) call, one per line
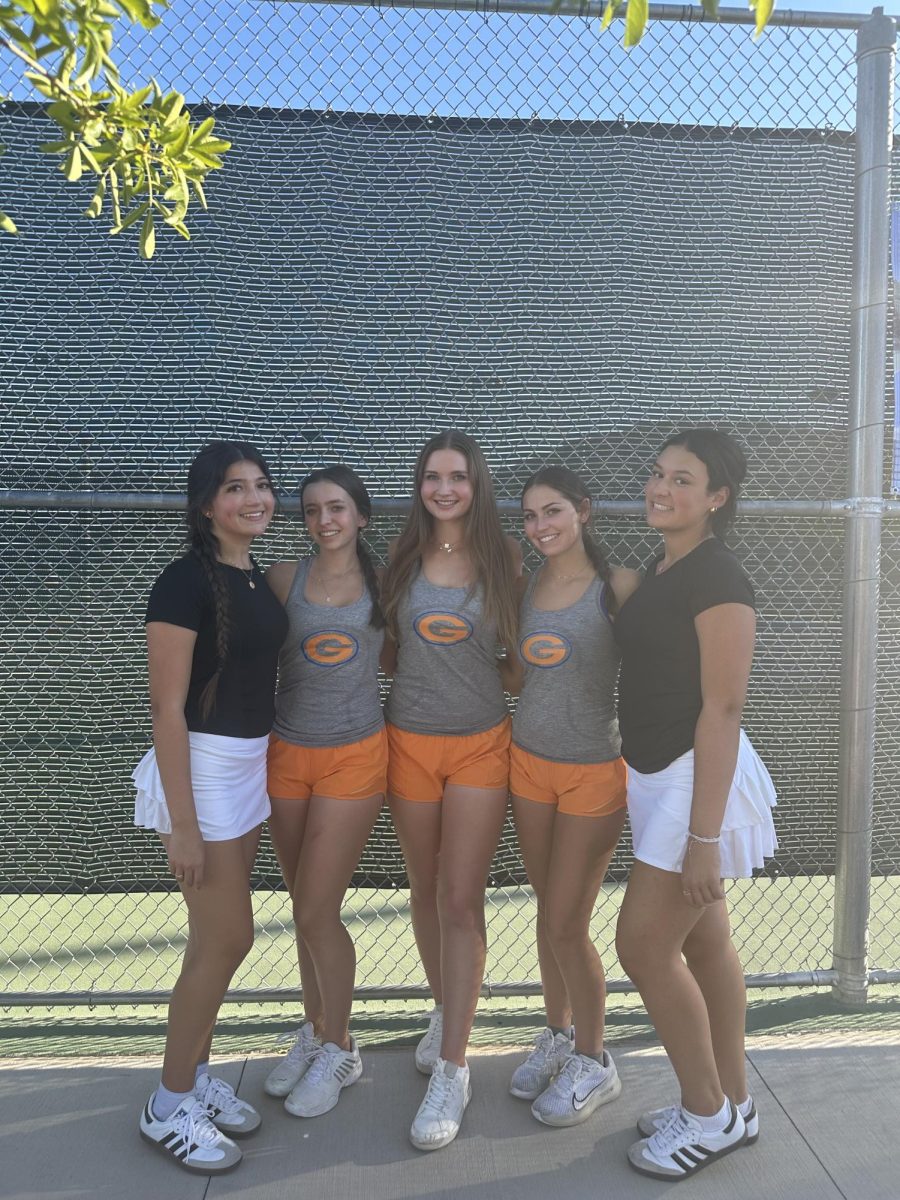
point(712, 510)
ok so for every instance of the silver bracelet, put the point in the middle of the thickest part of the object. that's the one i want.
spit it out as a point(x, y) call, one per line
point(695, 837)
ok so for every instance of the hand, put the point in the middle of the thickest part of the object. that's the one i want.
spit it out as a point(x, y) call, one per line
point(184, 848)
point(701, 875)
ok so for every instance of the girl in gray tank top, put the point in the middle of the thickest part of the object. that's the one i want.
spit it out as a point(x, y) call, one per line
point(449, 599)
point(327, 772)
point(568, 786)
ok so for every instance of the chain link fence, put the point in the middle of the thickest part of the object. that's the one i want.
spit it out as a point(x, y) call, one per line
point(497, 220)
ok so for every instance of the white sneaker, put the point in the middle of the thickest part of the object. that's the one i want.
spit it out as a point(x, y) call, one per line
point(580, 1088)
point(190, 1139)
point(543, 1063)
point(428, 1050)
point(651, 1121)
point(682, 1147)
point(440, 1113)
point(303, 1049)
point(226, 1110)
point(320, 1088)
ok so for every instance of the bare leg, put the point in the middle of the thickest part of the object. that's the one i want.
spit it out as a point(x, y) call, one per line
point(534, 826)
point(220, 923)
point(654, 924)
point(471, 823)
point(714, 963)
point(582, 848)
point(286, 828)
point(335, 836)
point(418, 827)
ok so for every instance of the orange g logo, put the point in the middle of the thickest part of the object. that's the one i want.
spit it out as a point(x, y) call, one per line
point(330, 648)
point(442, 628)
point(545, 649)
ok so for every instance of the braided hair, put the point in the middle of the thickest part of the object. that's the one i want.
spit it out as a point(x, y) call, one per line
point(205, 476)
point(351, 483)
point(570, 486)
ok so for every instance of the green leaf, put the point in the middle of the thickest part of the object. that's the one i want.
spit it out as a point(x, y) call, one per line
point(203, 130)
point(55, 147)
point(711, 9)
point(201, 195)
point(183, 230)
point(148, 238)
point(610, 12)
point(635, 21)
point(114, 197)
point(133, 217)
point(7, 224)
point(72, 167)
point(89, 158)
point(213, 146)
point(764, 9)
point(95, 208)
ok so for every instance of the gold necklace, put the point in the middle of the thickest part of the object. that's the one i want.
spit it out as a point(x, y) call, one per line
point(558, 578)
point(248, 574)
point(321, 580)
point(449, 547)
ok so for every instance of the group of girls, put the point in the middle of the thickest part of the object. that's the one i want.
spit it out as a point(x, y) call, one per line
point(455, 624)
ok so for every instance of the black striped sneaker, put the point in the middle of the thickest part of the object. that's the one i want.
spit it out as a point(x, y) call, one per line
point(651, 1121)
point(682, 1147)
point(190, 1139)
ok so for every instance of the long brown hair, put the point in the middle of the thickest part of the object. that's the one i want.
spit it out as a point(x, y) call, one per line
point(485, 540)
point(347, 479)
point(206, 475)
point(571, 486)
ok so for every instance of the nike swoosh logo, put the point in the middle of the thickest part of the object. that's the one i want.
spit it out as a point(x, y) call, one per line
point(578, 1102)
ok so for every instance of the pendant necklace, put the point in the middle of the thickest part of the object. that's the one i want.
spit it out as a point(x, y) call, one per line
point(323, 586)
point(559, 578)
point(448, 547)
point(247, 573)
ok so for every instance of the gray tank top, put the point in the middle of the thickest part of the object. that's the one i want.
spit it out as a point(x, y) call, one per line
point(447, 679)
point(567, 710)
point(328, 692)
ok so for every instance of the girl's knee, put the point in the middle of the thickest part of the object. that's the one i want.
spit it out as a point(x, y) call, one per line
point(460, 910)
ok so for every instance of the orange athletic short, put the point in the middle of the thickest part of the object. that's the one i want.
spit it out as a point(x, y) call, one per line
point(351, 772)
point(419, 765)
point(581, 789)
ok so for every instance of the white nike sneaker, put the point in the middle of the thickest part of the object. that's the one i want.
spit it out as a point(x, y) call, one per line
point(440, 1114)
point(190, 1139)
point(650, 1122)
point(320, 1088)
point(428, 1050)
point(544, 1062)
point(284, 1077)
point(683, 1147)
point(580, 1088)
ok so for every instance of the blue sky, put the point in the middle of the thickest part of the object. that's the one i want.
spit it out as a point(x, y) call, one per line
point(307, 56)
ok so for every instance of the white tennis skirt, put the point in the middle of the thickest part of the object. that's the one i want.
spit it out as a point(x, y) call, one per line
point(228, 778)
point(659, 809)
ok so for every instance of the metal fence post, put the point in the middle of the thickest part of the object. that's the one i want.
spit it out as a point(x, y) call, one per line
point(874, 124)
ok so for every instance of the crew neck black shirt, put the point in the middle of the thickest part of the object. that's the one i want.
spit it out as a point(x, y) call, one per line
point(245, 697)
point(659, 681)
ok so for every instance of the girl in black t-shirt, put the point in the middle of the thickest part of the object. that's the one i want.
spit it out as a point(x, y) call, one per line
point(214, 630)
point(699, 800)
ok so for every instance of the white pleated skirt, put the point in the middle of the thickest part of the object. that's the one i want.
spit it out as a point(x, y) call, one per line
point(228, 778)
point(659, 810)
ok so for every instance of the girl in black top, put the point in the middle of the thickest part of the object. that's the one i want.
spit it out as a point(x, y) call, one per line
point(214, 630)
point(699, 800)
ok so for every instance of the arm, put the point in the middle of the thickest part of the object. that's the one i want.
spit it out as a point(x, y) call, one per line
point(170, 650)
point(512, 670)
point(279, 577)
point(726, 633)
point(622, 582)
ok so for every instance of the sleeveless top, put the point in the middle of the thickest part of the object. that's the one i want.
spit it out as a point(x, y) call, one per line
point(447, 679)
point(328, 692)
point(566, 711)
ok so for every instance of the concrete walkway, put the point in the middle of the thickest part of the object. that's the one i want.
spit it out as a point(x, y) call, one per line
point(829, 1116)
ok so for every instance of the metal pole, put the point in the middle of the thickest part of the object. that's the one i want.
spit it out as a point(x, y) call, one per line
point(875, 51)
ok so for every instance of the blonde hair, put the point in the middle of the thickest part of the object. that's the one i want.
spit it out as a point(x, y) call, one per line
point(485, 541)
